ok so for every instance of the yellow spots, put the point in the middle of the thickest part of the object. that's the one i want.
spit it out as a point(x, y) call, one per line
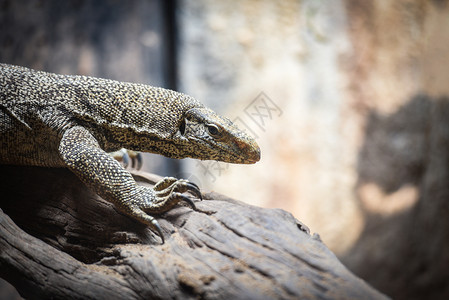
point(73, 117)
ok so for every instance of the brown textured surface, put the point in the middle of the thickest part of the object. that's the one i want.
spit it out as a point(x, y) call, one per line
point(398, 76)
point(76, 245)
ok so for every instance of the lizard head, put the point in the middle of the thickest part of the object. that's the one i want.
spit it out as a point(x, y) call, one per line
point(208, 136)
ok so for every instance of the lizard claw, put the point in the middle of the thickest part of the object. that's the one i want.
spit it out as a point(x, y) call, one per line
point(167, 193)
point(125, 156)
point(161, 198)
point(194, 185)
point(122, 156)
point(139, 213)
point(186, 199)
point(194, 190)
point(159, 231)
point(136, 160)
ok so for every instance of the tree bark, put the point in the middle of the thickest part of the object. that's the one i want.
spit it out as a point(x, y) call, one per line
point(60, 240)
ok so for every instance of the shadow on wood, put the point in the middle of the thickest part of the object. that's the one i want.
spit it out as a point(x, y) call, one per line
point(70, 243)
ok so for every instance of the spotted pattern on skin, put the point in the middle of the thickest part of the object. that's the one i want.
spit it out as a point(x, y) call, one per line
point(72, 121)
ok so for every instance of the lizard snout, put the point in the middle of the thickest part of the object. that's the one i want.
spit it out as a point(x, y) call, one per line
point(251, 151)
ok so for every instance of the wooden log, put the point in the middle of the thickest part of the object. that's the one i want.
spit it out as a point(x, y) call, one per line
point(59, 240)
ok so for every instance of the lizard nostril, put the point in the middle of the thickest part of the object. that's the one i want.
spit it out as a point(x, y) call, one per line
point(244, 147)
point(251, 150)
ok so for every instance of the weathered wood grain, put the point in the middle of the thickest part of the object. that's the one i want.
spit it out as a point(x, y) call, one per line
point(69, 243)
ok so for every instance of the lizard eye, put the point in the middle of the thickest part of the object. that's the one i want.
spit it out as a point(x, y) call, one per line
point(213, 130)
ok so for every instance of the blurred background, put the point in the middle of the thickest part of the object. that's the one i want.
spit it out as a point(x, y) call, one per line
point(348, 100)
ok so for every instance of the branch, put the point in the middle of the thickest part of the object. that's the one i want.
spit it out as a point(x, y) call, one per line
point(73, 244)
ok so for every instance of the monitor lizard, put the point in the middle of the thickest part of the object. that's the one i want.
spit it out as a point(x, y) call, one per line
point(72, 121)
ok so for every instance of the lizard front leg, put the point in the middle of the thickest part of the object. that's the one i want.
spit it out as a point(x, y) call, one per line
point(82, 154)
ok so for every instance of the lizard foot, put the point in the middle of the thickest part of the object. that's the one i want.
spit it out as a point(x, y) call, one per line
point(169, 191)
point(161, 198)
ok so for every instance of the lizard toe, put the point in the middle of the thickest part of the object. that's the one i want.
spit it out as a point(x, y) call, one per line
point(121, 156)
point(136, 160)
point(165, 183)
point(145, 218)
point(180, 186)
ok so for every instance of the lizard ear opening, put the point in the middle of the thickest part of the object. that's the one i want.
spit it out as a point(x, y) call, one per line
point(182, 127)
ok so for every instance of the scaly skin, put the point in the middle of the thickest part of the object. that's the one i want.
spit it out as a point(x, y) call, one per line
point(68, 121)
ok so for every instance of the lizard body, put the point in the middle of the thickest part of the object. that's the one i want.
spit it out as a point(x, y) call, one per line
point(72, 121)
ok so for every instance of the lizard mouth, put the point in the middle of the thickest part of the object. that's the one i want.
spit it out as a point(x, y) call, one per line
point(254, 159)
